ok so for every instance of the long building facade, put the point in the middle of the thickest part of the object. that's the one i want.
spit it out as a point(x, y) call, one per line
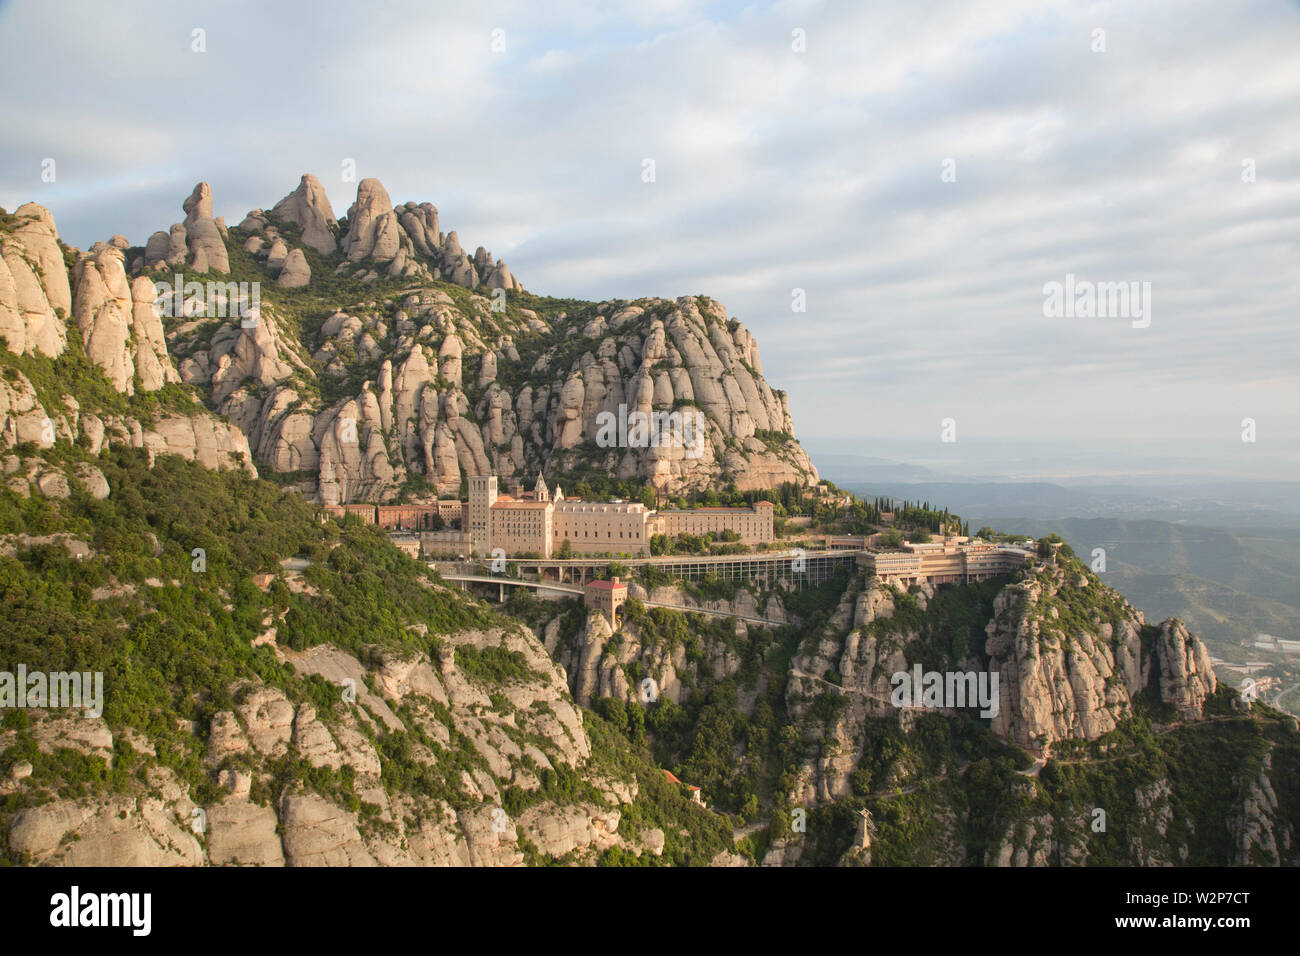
point(950, 562)
point(755, 524)
point(538, 524)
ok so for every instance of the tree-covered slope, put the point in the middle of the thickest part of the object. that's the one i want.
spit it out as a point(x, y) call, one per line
point(297, 687)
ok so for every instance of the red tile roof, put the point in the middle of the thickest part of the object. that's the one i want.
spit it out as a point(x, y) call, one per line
point(606, 585)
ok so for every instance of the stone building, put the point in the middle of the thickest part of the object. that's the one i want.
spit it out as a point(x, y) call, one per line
point(607, 597)
point(602, 527)
point(944, 562)
point(482, 496)
point(754, 524)
point(537, 523)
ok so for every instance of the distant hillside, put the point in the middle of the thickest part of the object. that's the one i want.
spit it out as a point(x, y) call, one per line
point(1227, 586)
point(1235, 505)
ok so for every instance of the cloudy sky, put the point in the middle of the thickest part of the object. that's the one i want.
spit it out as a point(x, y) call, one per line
point(919, 169)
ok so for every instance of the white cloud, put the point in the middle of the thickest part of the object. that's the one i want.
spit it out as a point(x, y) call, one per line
point(776, 169)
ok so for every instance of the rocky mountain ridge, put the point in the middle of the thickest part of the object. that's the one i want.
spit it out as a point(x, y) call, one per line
point(380, 361)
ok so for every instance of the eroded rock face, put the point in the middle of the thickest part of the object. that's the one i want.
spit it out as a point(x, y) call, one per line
point(203, 236)
point(40, 237)
point(373, 229)
point(320, 833)
point(1056, 682)
point(517, 729)
point(1187, 679)
point(119, 323)
point(406, 241)
point(309, 208)
point(295, 273)
point(243, 834)
point(422, 414)
point(597, 666)
point(104, 311)
point(153, 364)
point(1260, 834)
point(443, 410)
point(1059, 682)
point(202, 438)
point(33, 285)
point(112, 830)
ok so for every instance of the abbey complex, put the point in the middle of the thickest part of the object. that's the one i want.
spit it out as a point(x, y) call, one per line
point(538, 524)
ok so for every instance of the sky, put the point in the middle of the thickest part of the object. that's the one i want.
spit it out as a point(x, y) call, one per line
point(919, 171)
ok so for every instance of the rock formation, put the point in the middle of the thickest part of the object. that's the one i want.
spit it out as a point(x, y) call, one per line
point(202, 234)
point(295, 273)
point(34, 289)
point(309, 208)
point(120, 328)
point(534, 728)
point(373, 229)
point(1060, 682)
point(1055, 682)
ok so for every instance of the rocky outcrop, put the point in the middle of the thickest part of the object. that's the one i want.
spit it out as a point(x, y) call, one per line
point(1261, 835)
point(203, 236)
point(202, 438)
point(1056, 681)
point(598, 665)
point(373, 229)
point(40, 239)
point(1059, 681)
point(1186, 678)
point(152, 363)
point(24, 419)
point(103, 312)
point(166, 248)
point(500, 278)
point(423, 415)
point(309, 208)
point(152, 829)
point(120, 327)
point(295, 273)
point(457, 399)
point(516, 730)
point(34, 289)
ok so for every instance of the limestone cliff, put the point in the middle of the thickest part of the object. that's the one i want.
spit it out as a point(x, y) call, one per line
point(530, 730)
point(1072, 671)
point(1071, 658)
point(599, 664)
point(544, 378)
point(117, 329)
point(455, 371)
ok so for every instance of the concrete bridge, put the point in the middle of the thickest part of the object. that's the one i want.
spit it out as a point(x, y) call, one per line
point(574, 591)
point(799, 569)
